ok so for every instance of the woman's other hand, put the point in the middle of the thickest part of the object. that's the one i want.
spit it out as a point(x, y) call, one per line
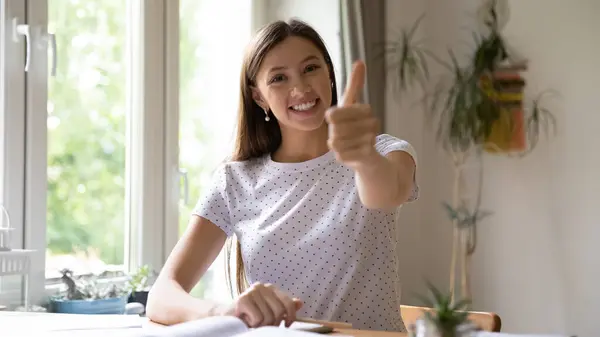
point(264, 304)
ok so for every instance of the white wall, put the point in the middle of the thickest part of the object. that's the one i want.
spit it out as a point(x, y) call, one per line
point(538, 261)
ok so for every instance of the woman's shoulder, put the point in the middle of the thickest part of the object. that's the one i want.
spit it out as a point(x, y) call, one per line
point(235, 169)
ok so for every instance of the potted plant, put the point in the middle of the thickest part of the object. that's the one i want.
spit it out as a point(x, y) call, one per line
point(86, 296)
point(139, 285)
point(445, 319)
point(477, 107)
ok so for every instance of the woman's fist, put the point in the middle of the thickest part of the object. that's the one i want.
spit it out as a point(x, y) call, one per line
point(352, 126)
point(264, 304)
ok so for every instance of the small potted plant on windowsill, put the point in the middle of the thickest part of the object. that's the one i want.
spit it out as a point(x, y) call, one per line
point(84, 296)
point(139, 285)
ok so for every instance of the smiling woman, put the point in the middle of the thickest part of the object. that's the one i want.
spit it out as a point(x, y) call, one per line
point(305, 78)
point(300, 195)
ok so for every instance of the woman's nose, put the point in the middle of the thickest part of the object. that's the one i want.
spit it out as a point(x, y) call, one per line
point(300, 87)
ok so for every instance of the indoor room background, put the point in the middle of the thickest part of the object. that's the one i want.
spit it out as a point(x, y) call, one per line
point(537, 262)
point(537, 259)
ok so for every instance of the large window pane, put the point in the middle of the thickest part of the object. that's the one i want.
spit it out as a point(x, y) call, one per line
point(87, 136)
point(213, 35)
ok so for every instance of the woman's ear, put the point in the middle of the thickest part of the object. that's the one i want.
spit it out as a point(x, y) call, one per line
point(258, 98)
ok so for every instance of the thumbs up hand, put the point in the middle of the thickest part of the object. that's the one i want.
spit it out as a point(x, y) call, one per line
point(352, 126)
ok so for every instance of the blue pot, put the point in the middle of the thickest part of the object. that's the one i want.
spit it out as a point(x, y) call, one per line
point(91, 307)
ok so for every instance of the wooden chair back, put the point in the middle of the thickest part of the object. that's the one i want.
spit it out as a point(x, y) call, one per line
point(487, 321)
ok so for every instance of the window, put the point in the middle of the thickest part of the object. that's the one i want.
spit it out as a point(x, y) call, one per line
point(77, 127)
point(211, 50)
point(96, 132)
point(87, 137)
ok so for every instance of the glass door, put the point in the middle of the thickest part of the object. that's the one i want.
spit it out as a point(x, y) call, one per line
point(213, 35)
point(87, 136)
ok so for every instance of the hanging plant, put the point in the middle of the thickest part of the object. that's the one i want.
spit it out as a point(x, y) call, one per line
point(478, 106)
point(480, 103)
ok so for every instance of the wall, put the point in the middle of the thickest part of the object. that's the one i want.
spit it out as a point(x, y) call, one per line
point(537, 261)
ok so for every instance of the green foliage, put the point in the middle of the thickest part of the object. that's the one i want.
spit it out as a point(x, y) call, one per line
point(142, 279)
point(87, 130)
point(464, 217)
point(88, 125)
point(446, 316)
point(464, 113)
point(409, 63)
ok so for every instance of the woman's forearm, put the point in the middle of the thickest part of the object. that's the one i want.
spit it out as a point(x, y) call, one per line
point(168, 303)
point(385, 182)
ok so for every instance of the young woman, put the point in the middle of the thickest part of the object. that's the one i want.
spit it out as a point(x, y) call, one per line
point(311, 193)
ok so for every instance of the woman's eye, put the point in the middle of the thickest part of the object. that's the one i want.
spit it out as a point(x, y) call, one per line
point(277, 78)
point(311, 67)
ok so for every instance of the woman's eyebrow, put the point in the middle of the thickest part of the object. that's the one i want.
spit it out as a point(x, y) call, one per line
point(308, 58)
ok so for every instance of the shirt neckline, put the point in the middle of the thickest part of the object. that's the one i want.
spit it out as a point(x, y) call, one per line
point(310, 164)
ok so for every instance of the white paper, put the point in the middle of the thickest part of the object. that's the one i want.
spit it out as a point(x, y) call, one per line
point(225, 326)
point(71, 325)
point(46, 322)
point(271, 331)
point(83, 333)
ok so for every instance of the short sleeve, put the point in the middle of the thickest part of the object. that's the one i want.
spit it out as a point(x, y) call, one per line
point(385, 144)
point(213, 204)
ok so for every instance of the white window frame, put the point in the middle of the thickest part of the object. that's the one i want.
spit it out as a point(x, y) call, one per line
point(153, 146)
point(36, 154)
point(153, 192)
point(154, 161)
point(12, 125)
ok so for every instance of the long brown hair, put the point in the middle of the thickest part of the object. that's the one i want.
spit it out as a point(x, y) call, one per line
point(256, 137)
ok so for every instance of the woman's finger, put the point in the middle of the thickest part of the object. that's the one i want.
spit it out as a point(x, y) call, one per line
point(290, 306)
point(258, 297)
point(275, 303)
point(248, 311)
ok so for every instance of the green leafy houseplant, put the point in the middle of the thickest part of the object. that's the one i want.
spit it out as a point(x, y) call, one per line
point(139, 284)
point(141, 280)
point(446, 319)
point(478, 105)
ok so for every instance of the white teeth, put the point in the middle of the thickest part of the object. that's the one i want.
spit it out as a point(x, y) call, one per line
point(304, 106)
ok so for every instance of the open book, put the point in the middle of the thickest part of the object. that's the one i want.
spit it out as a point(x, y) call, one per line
point(228, 326)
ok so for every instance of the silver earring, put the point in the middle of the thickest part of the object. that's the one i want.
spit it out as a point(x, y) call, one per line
point(267, 118)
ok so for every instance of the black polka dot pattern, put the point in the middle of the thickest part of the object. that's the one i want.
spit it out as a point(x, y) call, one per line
point(303, 228)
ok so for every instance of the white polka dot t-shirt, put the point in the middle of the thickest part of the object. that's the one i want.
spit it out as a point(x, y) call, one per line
point(303, 228)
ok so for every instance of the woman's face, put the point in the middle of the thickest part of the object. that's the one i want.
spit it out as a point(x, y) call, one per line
point(293, 82)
